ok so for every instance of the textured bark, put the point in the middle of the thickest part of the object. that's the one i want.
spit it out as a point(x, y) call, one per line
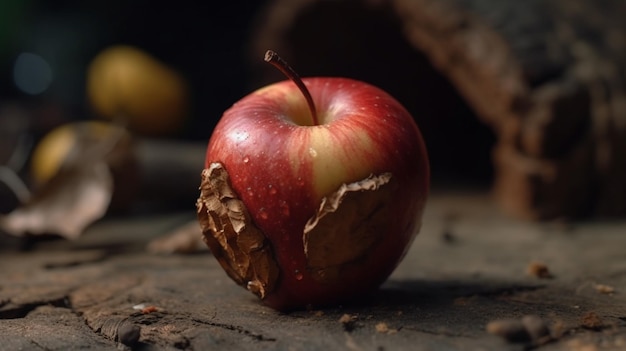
point(547, 77)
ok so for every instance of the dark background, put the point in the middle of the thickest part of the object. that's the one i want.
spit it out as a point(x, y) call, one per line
point(205, 41)
point(210, 44)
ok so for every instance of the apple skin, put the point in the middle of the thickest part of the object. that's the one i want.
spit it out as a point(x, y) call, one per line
point(281, 167)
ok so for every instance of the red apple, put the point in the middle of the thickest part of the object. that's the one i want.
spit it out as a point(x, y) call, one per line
point(314, 191)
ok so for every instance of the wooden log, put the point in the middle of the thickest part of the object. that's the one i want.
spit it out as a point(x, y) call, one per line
point(548, 77)
point(535, 189)
point(169, 172)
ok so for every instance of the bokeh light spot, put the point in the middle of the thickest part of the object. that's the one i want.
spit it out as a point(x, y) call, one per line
point(32, 74)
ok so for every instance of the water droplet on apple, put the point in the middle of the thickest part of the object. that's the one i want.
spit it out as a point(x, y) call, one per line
point(300, 182)
point(262, 214)
point(241, 136)
point(272, 190)
point(250, 192)
point(312, 152)
point(299, 275)
point(246, 159)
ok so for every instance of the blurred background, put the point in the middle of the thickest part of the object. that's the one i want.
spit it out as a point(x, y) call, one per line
point(46, 47)
point(505, 94)
point(168, 74)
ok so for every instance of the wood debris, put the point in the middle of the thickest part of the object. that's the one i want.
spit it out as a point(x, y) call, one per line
point(528, 329)
point(604, 289)
point(539, 270)
point(383, 328)
point(592, 321)
point(348, 321)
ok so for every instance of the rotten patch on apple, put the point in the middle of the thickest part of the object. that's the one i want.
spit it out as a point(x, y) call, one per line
point(347, 225)
point(227, 228)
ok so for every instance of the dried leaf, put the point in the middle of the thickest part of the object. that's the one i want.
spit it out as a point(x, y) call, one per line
point(347, 225)
point(238, 245)
point(73, 199)
point(81, 190)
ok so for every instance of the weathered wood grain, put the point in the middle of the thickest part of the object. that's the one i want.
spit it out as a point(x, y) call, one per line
point(466, 268)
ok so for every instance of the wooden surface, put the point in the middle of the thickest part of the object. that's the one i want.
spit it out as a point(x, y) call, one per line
point(467, 267)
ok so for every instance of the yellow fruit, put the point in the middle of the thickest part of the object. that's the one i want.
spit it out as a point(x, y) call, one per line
point(73, 144)
point(126, 83)
point(56, 147)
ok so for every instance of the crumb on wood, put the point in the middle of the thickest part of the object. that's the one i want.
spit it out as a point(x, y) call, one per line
point(539, 270)
point(591, 321)
point(604, 289)
point(510, 329)
point(528, 329)
point(346, 318)
point(146, 309)
point(383, 328)
point(348, 321)
point(149, 309)
point(318, 313)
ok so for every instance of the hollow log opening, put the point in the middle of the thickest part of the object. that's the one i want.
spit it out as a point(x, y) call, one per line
point(365, 42)
point(527, 95)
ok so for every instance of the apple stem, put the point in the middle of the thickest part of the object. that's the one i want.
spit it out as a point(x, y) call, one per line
point(273, 58)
